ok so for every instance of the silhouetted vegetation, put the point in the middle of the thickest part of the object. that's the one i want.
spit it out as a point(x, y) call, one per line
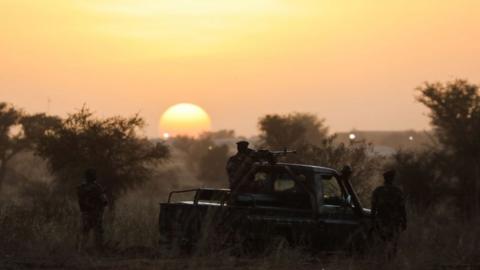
point(123, 159)
point(307, 134)
point(448, 171)
point(291, 130)
point(20, 132)
point(455, 117)
point(422, 178)
point(206, 155)
point(10, 144)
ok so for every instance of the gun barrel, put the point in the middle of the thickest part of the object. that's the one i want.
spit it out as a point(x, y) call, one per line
point(284, 152)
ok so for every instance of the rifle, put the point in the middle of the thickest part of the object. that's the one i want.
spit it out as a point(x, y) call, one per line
point(271, 156)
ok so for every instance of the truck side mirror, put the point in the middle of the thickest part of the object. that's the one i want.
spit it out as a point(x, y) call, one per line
point(348, 200)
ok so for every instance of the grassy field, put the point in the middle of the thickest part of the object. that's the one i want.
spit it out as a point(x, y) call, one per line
point(42, 234)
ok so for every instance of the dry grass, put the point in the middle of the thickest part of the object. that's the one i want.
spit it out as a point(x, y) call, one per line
point(43, 235)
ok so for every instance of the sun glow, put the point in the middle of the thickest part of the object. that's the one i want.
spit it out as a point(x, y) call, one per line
point(184, 119)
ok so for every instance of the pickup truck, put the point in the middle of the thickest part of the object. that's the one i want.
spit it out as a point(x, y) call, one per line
point(281, 203)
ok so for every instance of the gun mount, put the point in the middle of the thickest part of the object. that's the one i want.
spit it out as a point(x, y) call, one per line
point(271, 156)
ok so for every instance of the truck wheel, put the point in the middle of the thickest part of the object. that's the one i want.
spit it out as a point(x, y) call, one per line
point(276, 245)
point(358, 242)
point(243, 245)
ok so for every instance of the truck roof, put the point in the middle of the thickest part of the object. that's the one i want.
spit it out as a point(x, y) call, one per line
point(312, 168)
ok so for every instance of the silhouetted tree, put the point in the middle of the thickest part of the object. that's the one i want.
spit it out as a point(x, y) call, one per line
point(183, 143)
point(19, 132)
point(206, 155)
point(455, 116)
point(291, 130)
point(123, 159)
point(35, 126)
point(308, 135)
point(423, 177)
point(211, 166)
point(10, 144)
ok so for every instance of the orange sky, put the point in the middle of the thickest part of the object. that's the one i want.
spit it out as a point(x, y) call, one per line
point(354, 63)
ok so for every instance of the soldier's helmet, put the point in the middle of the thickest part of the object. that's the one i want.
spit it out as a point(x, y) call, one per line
point(389, 176)
point(90, 175)
point(242, 145)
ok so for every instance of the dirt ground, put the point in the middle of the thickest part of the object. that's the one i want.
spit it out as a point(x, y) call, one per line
point(149, 259)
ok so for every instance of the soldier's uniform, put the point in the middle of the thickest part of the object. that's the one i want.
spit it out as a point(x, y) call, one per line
point(239, 163)
point(92, 201)
point(388, 211)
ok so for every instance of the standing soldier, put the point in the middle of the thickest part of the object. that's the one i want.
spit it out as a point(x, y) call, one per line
point(388, 211)
point(92, 201)
point(237, 164)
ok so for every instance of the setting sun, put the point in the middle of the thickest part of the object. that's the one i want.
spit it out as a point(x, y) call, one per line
point(184, 119)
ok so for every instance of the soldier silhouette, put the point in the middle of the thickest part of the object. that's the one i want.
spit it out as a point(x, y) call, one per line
point(92, 201)
point(388, 212)
point(238, 163)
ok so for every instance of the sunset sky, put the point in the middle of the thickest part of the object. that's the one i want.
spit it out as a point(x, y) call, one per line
point(354, 63)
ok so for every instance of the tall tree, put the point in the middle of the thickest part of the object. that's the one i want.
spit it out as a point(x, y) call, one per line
point(455, 116)
point(19, 132)
point(10, 142)
point(123, 159)
point(291, 130)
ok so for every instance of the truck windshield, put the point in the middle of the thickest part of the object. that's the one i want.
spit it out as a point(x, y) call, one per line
point(284, 183)
point(277, 187)
point(332, 193)
point(277, 181)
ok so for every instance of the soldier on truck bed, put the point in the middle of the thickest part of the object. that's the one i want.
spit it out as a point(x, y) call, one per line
point(239, 163)
point(388, 212)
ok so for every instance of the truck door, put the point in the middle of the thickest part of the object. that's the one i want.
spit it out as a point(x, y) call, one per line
point(335, 212)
